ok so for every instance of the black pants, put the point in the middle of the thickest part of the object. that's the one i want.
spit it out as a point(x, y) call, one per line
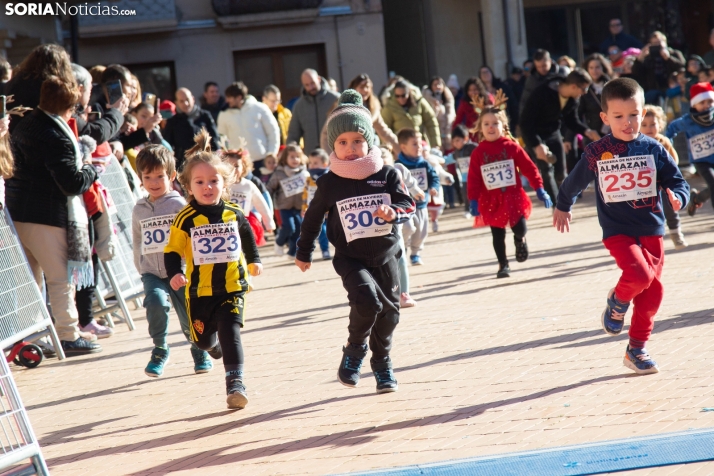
point(219, 319)
point(499, 239)
point(553, 175)
point(83, 297)
point(706, 171)
point(373, 294)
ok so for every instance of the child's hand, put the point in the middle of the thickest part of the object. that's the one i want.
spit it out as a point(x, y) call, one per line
point(386, 213)
point(178, 281)
point(420, 196)
point(270, 226)
point(255, 269)
point(473, 208)
point(676, 203)
point(544, 197)
point(433, 192)
point(561, 220)
point(302, 265)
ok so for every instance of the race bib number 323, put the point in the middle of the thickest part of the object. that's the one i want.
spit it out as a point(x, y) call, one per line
point(214, 244)
point(357, 216)
point(155, 233)
point(627, 178)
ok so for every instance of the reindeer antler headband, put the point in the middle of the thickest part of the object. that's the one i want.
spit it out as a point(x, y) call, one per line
point(479, 103)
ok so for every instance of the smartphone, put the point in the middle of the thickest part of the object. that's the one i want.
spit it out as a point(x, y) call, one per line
point(113, 90)
point(655, 50)
point(3, 109)
point(150, 98)
point(157, 105)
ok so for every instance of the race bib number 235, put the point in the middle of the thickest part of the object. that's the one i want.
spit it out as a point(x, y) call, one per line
point(627, 178)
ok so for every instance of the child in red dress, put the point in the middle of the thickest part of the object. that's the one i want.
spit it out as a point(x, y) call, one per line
point(494, 185)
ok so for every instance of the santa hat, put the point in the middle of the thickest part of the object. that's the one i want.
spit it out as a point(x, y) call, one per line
point(167, 109)
point(701, 92)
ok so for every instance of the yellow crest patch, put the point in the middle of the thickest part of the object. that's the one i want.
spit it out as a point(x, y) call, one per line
point(606, 156)
point(198, 325)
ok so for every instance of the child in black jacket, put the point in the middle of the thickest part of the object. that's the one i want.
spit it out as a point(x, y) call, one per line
point(364, 200)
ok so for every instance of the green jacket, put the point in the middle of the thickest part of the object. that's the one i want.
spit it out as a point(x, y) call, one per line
point(420, 117)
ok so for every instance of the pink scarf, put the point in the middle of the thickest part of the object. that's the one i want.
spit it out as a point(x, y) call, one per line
point(359, 168)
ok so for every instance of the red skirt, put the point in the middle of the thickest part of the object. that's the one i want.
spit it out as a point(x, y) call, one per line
point(257, 228)
point(501, 209)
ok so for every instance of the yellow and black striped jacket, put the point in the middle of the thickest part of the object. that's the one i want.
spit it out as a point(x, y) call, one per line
point(210, 279)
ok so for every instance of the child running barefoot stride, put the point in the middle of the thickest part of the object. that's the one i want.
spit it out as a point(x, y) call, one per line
point(629, 169)
point(494, 185)
point(364, 200)
point(217, 242)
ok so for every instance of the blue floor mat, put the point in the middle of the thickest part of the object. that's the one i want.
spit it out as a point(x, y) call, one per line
point(590, 458)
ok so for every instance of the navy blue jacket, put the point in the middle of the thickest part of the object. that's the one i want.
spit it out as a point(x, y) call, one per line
point(642, 217)
point(432, 178)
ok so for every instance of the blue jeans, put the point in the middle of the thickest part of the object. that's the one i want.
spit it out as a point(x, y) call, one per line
point(322, 239)
point(158, 297)
point(449, 195)
point(289, 230)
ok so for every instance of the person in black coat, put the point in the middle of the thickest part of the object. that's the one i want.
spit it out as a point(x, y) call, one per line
point(544, 69)
point(104, 125)
point(654, 66)
point(551, 105)
point(493, 84)
point(619, 38)
point(189, 119)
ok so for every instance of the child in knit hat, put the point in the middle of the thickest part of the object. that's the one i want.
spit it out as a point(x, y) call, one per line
point(364, 201)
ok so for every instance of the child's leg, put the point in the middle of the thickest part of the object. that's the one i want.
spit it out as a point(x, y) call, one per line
point(706, 171)
point(296, 219)
point(433, 215)
point(403, 269)
point(421, 225)
point(322, 239)
point(408, 229)
point(670, 215)
point(387, 288)
point(499, 245)
point(640, 260)
point(178, 299)
point(519, 230)
point(286, 227)
point(157, 305)
point(465, 196)
point(449, 195)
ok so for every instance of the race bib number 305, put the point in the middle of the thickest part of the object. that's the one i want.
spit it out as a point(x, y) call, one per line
point(293, 185)
point(420, 176)
point(702, 145)
point(499, 174)
point(627, 178)
point(358, 221)
point(214, 244)
point(155, 233)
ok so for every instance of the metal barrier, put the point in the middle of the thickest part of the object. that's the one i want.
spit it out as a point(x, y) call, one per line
point(119, 278)
point(23, 312)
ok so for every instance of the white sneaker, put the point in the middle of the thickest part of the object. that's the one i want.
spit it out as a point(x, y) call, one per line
point(279, 250)
point(290, 257)
point(435, 226)
point(101, 332)
point(468, 216)
point(678, 239)
point(405, 301)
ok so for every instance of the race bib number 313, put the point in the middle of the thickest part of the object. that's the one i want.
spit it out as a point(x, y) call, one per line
point(357, 216)
point(214, 244)
point(155, 233)
point(499, 174)
point(627, 178)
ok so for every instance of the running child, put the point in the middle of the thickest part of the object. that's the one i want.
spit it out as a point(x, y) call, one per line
point(216, 277)
point(435, 207)
point(150, 224)
point(630, 170)
point(416, 229)
point(318, 163)
point(652, 125)
point(460, 157)
point(698, 127)
point(494, 184)
point(287, 185)
point(364, 201)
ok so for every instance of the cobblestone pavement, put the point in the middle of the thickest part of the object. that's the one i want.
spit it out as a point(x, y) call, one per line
point(485, 366)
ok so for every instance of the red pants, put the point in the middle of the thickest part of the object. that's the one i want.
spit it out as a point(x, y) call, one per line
point(641, 260)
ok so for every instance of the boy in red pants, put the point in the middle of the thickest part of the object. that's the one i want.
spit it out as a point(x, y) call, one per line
point(629, 169)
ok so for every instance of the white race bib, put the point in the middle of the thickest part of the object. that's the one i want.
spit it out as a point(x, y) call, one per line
point(293, 185)
point(627, 178)
point(213, 244)
point(702, 145)
point(500, 174)
point(357, 219)
point(155, 233)
point(463, 163)
point(420, 176)
point(311, 190)
point(242, 199)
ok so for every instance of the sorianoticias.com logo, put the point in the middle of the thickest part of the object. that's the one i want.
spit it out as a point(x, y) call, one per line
point(61, 8)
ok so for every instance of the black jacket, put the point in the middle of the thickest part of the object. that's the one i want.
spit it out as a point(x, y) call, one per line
point(535, 80)
point(181, 128)
point(332, 188)
point(543, 117)
point(103, 128)
point(45, 174)
point(653, 73)
point(589, 109)
point(26, 92)
point(216, 108)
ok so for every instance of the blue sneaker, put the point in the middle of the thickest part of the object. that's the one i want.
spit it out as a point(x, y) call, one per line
point(416, 260)
point(159, 359)
point(384, 375)
point(640, 361)
point(613, 317)
point(201, 363)
point(352, 357)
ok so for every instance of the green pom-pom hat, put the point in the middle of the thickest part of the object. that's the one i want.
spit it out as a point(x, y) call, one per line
point(350, 115)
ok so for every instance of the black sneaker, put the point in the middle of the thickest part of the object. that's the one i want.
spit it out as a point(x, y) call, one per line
point(521, 250)
point(216, 352)
point(384, 375)
point(692, 206)
point(237, 397)
point(80, 347)
point(504, 271)
point(352, 357)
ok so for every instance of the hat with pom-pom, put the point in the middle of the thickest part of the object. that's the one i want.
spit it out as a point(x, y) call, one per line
point(350, 116)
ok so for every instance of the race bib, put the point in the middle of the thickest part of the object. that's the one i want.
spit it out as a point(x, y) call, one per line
point(420, 176)
point(293, 185)
point(499, 174)
point(627, 178)
point(242, 199)
point(702, 145)
point(213, 244)
point(463, 163)
point(357, 219)
point(311, 190)
point(155, 233)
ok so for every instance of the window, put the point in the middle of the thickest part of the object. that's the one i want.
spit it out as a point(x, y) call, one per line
point(156, 78)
